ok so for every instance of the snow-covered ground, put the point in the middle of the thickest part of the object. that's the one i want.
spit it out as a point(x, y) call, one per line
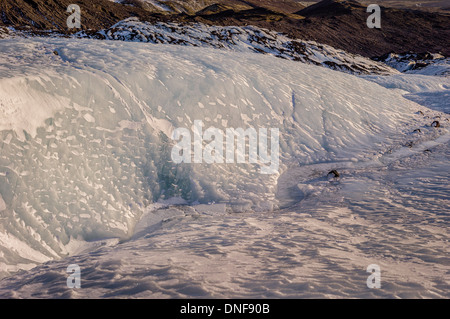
point(85, 171)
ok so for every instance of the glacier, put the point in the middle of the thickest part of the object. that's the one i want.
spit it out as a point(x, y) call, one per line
point(86, 175)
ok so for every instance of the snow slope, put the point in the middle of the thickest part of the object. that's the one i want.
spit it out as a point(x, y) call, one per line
point(427, 90)
point(94, 150)
point(425, 63)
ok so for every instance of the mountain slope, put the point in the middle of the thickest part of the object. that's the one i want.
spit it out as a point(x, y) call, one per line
point(341, 24)
point(327, 8)
point(52, 15)
point(192, 6)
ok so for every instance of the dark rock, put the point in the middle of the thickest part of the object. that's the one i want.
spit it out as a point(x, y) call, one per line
point(333, 173)
point(436, 124)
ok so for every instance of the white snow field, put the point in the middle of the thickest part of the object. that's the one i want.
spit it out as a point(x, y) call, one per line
point(86, 176)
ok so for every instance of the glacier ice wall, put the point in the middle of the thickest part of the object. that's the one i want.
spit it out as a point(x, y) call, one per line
point(85, 132)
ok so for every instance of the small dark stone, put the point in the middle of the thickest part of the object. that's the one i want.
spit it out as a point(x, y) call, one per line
point(436, 124)
point(55, 52)
point(420, 112)
point(333, 173)
point(427, 151)
point(417, 130)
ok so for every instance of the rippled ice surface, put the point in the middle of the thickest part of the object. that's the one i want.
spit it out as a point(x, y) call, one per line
point(394, 213)
point(389, 207)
